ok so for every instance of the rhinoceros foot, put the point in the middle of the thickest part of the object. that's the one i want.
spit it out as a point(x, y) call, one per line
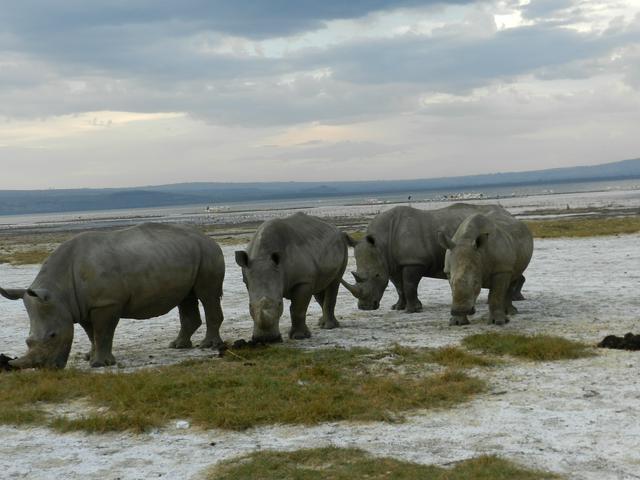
point(300, 333)
point(398, 305)
point(107, 361)
point(211, 343)
point(511, 310)
point(517, 297)
point(181, 343)
point(458, 320)
point(417, 308)
point(328, 324)
point(498, 319)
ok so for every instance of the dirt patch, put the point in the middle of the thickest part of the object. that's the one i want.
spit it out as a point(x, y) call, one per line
point(628, 342)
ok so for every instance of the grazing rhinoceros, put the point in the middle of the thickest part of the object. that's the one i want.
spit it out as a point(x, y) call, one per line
point(140, 272)
point(487, 251)
point(296, 258)
point(402, 245)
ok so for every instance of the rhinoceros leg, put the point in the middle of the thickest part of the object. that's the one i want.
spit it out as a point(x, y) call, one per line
point(214, 317)
point(516, 289)
point(300, 298)
point(397, 282)
point(411, 276)
point(88, 329)
point(104, 321)
point(189, 321)
point(328, 304)
point(498, 298)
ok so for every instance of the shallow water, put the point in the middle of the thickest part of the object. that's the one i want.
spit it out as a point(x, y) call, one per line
point(623, 193)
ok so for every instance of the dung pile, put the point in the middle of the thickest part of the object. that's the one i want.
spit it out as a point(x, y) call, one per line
point(628, 342)
point(4, 363)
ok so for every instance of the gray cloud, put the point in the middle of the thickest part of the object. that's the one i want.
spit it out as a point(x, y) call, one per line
point(458, 63)
point(544, 8)
point(258, 19)
point(136, 58)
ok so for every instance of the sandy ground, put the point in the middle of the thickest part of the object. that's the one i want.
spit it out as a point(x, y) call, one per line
point(578, 418)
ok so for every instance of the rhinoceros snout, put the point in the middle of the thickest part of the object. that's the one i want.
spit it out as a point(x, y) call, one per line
point(456, 312)
point(374, 305)
point(267, 338)
point(266, 310)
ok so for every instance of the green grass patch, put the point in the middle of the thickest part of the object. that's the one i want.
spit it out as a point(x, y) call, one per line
point(583, 227)
point(253, 387)
point(534, 347)
point(25, 257)
point(349, 463)
point(450, 357)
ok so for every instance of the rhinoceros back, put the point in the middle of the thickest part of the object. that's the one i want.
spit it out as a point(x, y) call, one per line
point(146, 269)
point(409, 236)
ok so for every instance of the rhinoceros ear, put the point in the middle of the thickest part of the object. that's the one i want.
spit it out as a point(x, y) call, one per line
point(39, 293)
point(481, 240)
point(13, 293)
point(242, 258)
point(445, 242)
point(370, 239)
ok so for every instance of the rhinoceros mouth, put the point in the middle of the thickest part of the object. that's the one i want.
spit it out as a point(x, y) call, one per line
point(267, 338)
point(369, 306)
point(461, 313)
point(28, 362)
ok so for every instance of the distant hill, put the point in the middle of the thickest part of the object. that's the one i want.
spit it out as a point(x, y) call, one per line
point(49, 201)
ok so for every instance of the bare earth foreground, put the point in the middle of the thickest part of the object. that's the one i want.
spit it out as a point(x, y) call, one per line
point(578, 418)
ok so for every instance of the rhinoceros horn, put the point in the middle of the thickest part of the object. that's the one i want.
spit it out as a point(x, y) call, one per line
point(445, 242)
point(13, 293)
point(354, 289)
point(22, 362)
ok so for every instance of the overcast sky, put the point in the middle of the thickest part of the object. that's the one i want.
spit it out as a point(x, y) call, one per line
point(124, 92)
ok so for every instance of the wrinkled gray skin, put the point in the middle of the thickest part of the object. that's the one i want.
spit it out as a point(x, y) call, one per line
point(402, 245)
point(140, 272)
point(297, 258)
point(487, 251)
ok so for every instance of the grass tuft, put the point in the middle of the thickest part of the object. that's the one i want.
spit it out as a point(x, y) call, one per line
point(350, 463)
point(261, 387)
point(25, 257)
point(583, 227)
point(535, 347)
point(450, 357)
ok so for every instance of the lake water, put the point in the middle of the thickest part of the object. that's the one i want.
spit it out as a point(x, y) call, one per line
point(518, 199)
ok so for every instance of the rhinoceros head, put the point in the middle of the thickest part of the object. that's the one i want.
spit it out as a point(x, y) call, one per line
point(264, 280)
point(463, 267)
point(372, 275)
point(50, 332)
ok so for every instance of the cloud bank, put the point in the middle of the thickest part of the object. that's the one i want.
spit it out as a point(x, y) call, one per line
point(411, 88)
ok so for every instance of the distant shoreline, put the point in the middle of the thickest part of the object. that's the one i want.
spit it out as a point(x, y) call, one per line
point(495, 185)
point(434, 194)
